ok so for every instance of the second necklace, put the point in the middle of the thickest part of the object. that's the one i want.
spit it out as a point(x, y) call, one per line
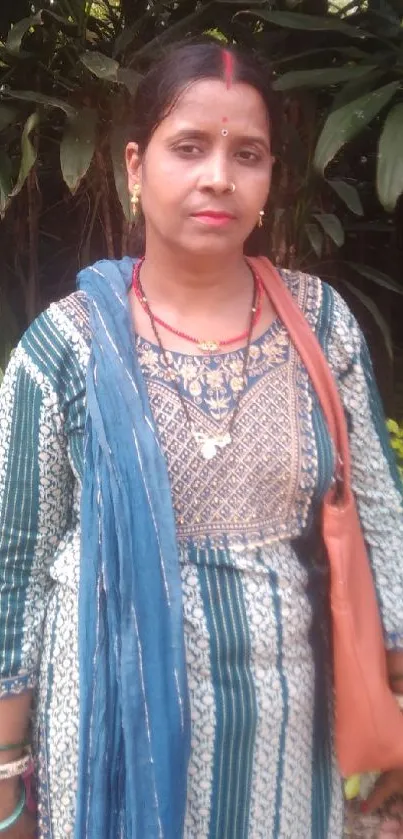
point(210, 445)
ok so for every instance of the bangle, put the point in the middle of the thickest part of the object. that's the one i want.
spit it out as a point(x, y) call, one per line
point(4, 825)
point(14, 746)
point(17, 767)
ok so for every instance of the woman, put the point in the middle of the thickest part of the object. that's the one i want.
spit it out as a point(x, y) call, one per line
point(164, 590)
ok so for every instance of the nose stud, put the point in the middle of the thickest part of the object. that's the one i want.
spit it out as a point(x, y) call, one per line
point(232, 187)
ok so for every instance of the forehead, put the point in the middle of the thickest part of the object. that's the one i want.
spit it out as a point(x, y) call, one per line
point(205, 104)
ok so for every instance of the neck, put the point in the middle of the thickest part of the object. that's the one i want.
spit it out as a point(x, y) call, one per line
point(189, 283)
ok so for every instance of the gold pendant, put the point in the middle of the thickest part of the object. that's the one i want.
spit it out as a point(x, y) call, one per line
point(209, 446)
point(208, 346)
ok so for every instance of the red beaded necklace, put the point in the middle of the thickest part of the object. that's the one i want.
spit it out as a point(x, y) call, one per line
point(204, 346)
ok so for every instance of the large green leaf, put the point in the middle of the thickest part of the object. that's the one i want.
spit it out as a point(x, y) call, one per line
point(315, 237)
point(349, 195)
point(28, 152)
point(8, 114)
point(377, 277)
point(356, 88)
point(345, 123)
point(351, 52)
point(16, 34)
point(310, 23)
point(332, 226)
point(322, 77)
point(389, 176)
point(129, 78)
point(78, 146)
point(100, 65)
point(40, 99)
point(376, 314)
point(6, 183)
point(118, 141)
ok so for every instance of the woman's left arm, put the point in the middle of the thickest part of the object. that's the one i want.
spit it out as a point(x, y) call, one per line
point(378, 490)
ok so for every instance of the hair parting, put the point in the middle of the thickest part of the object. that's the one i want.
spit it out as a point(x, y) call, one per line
point(229, 67)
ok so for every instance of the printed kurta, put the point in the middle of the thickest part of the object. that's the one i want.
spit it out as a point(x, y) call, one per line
point(254, 577)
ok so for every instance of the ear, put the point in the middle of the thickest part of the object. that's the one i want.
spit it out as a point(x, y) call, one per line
point(133, 165)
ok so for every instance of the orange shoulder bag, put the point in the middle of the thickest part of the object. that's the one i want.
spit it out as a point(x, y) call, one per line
point(368, 722)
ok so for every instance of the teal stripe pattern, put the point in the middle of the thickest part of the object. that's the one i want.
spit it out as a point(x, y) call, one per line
point(18, 520)
point(284, 699)
point(236, 712)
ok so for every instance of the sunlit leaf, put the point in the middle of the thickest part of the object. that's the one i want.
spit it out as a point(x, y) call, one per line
point(349, 195)
point(100, 65)
point(389, 176)
point(28, 152)
point(118, 141)
point(392, 426)
point(17, 32)
point(376, 314)
point(345, 123)
point(40, 99)
point(303, 22)
point(78, 146)
point(315, 237)
point(6, 184)
point(332, 226)
point(322, 77)
point(377, 277)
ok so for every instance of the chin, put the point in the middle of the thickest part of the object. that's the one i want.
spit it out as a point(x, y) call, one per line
point(211, 245)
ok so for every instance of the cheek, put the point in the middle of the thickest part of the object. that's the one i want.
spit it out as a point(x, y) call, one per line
point(253, 189)
point(168, 179)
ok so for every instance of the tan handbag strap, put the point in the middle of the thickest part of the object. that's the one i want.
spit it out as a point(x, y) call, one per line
point(311, 353)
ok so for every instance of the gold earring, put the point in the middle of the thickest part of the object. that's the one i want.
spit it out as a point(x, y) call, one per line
point(260, 219)
point(135, 198)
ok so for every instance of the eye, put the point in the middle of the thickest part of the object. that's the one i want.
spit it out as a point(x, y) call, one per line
point(187, 149)
point(249, 156)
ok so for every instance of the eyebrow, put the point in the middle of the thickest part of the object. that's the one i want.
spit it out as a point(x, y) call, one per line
point(190, 133)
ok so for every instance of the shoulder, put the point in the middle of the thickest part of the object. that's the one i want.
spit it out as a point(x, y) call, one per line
point(55, 348)
point(329, 316)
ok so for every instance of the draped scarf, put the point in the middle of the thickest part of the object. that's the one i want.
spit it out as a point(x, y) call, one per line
point(134, 735)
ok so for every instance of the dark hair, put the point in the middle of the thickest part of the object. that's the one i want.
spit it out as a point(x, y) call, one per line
point(182, 65)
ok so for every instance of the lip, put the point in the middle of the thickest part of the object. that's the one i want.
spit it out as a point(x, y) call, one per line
point(213, 218)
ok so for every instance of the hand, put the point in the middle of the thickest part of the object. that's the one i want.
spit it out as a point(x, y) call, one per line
point(24, 828)
point(388, 785)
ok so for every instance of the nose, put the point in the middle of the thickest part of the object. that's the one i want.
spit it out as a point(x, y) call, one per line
point(216, 175)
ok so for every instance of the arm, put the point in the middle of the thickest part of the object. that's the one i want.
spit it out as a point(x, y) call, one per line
point(375, 478)
point(379, 493)
point(35, 503)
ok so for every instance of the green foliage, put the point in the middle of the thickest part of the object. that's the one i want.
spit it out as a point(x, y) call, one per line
point(396, 441)
point(68, 71)
point(364, 81)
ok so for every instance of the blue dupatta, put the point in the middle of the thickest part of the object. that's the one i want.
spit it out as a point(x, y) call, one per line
point(134, 711)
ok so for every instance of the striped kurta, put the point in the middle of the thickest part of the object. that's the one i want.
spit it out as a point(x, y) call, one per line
point(254, 575)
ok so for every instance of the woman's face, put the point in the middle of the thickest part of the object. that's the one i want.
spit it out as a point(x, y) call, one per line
point(214, 139)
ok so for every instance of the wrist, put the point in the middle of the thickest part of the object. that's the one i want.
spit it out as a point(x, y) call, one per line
point(10, 793)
